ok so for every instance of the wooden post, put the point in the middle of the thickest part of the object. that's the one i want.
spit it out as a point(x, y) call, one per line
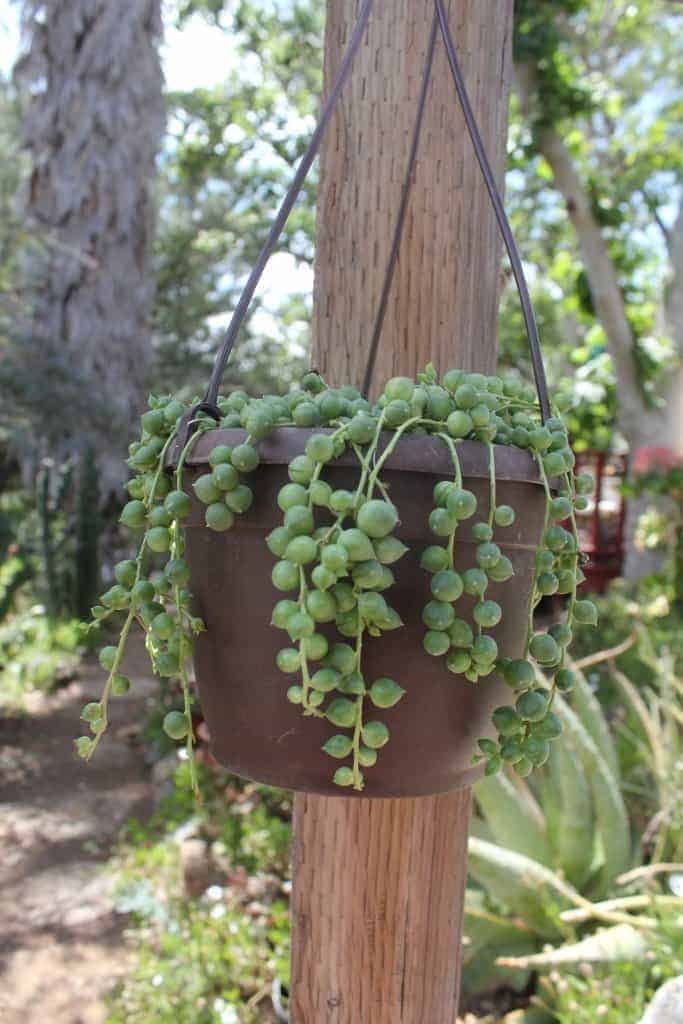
point(445, 299)
point(378, 885)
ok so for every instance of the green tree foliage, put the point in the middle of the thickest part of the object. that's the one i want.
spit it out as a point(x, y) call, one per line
point(607, 80)
point(540, 35)
point(601, 100)
point(229, 159)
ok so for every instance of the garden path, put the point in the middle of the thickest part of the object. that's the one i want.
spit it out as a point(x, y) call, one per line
point(61, 941)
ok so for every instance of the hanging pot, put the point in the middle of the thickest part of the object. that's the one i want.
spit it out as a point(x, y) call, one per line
point(255, 731)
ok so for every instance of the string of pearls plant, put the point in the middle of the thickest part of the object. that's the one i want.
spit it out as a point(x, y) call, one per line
point(336, 551)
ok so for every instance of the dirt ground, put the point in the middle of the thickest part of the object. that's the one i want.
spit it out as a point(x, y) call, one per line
point(61, 941)
point(61, 944)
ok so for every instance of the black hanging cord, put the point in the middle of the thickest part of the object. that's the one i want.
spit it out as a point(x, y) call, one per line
point(402, 210)
point(501, 216)
point(276, 230)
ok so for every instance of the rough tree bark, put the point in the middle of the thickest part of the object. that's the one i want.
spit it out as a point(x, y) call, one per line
point(93, 121)
point(639, 423)
point(379, 885)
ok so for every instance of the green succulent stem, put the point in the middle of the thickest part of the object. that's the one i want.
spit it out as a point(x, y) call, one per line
point(106, 693)
point(575, 534)
point(535, 596)
point(451, 445)
point(390, 448)
point(177, 550)
point(358, 783)
point(309, 710)
point(380, 485)
point(492, 483)
point(131, 615)
point(367, 474)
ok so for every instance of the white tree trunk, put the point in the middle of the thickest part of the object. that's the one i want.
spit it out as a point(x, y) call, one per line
point(662, 427)
point(640, 424)
point(673, 318)
point(93, 121)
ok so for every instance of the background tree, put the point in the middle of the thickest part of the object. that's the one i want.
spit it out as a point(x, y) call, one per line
point(11, 238)
point(228, 160)
point(606, 82)
point(599, 89)
point(595, 133)
point(93, 114)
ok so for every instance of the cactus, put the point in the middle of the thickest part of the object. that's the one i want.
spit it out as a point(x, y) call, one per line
point(87, 528)
point(67, 537)
point(550, 825)
point(52, 538)
point(515, 819)
point(607, 946)
point(527, 889)
point(14, 572)
point(46, 540)
point(546, 854)
point(577, 818)
point(612, 828)
point(490, 936)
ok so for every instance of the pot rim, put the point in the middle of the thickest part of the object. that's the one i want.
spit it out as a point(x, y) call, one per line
point(423, 454)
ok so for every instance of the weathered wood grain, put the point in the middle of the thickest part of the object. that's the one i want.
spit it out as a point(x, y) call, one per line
point(445, 297)
point(378, 890)
point(377, 909)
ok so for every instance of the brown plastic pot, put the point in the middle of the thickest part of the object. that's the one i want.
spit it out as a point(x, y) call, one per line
point(255, 731)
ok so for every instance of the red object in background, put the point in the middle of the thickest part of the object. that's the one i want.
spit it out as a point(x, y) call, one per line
point(601, 527)
point(653, 458)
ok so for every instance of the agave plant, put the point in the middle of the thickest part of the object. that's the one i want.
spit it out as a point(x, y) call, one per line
point(553, 856)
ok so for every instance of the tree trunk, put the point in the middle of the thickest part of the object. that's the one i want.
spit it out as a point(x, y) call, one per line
point(639, 424)
point(673, 321)
point(379, 885)
point(93, 121)
point(602, 276)
point(662, 428)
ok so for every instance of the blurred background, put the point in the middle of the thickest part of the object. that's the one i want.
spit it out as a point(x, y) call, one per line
point(144, 148)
